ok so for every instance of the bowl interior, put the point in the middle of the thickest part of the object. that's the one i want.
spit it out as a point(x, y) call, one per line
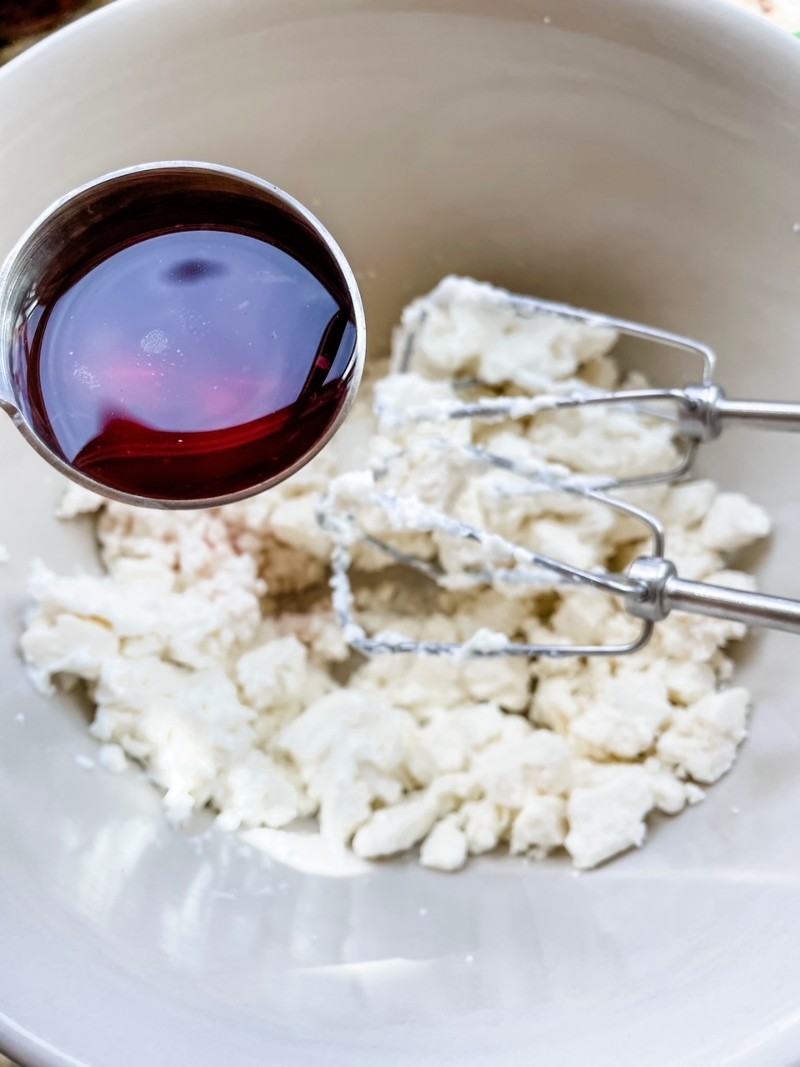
point(639, 158)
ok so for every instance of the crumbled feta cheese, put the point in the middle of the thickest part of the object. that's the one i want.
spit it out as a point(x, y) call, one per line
point(608, 817)
point(732, 522)
point(465, 328)
point(397, 828)
point(701, 740)
point(540, 826)
point(79, 501)
point(212, 652)
point(112, 758)
point(68, 645)
point(445, 847)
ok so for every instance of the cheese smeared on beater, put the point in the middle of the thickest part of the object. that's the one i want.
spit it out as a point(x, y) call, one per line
point(214, 659)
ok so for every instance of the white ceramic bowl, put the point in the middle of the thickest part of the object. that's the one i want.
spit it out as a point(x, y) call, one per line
point(638, 156)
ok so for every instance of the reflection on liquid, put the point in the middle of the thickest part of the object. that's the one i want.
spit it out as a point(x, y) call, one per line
point(186, 364)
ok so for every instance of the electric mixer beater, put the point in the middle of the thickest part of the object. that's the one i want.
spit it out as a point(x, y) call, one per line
point(650, 586)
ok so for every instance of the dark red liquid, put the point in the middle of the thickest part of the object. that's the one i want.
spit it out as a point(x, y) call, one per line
point(193, 362)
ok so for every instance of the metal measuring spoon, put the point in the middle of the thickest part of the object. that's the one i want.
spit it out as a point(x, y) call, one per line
point(178, 335)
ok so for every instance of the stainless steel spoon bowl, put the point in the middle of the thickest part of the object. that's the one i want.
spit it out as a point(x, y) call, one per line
point(104, 208)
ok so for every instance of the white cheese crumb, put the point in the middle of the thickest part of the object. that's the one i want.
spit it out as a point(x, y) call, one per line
point(213, 656)
point(78, 501)
point(733, 522)
point(396, 828)
point(607, 818)
point(701, 740)
point(541, 824)
point(445, 847)
point(112, 758)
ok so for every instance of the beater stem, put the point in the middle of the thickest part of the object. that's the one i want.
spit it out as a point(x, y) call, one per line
point(739, 605)
point(664, 591)
point(760, 414)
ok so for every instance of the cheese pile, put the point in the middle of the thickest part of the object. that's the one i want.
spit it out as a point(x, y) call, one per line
point(215, 662)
